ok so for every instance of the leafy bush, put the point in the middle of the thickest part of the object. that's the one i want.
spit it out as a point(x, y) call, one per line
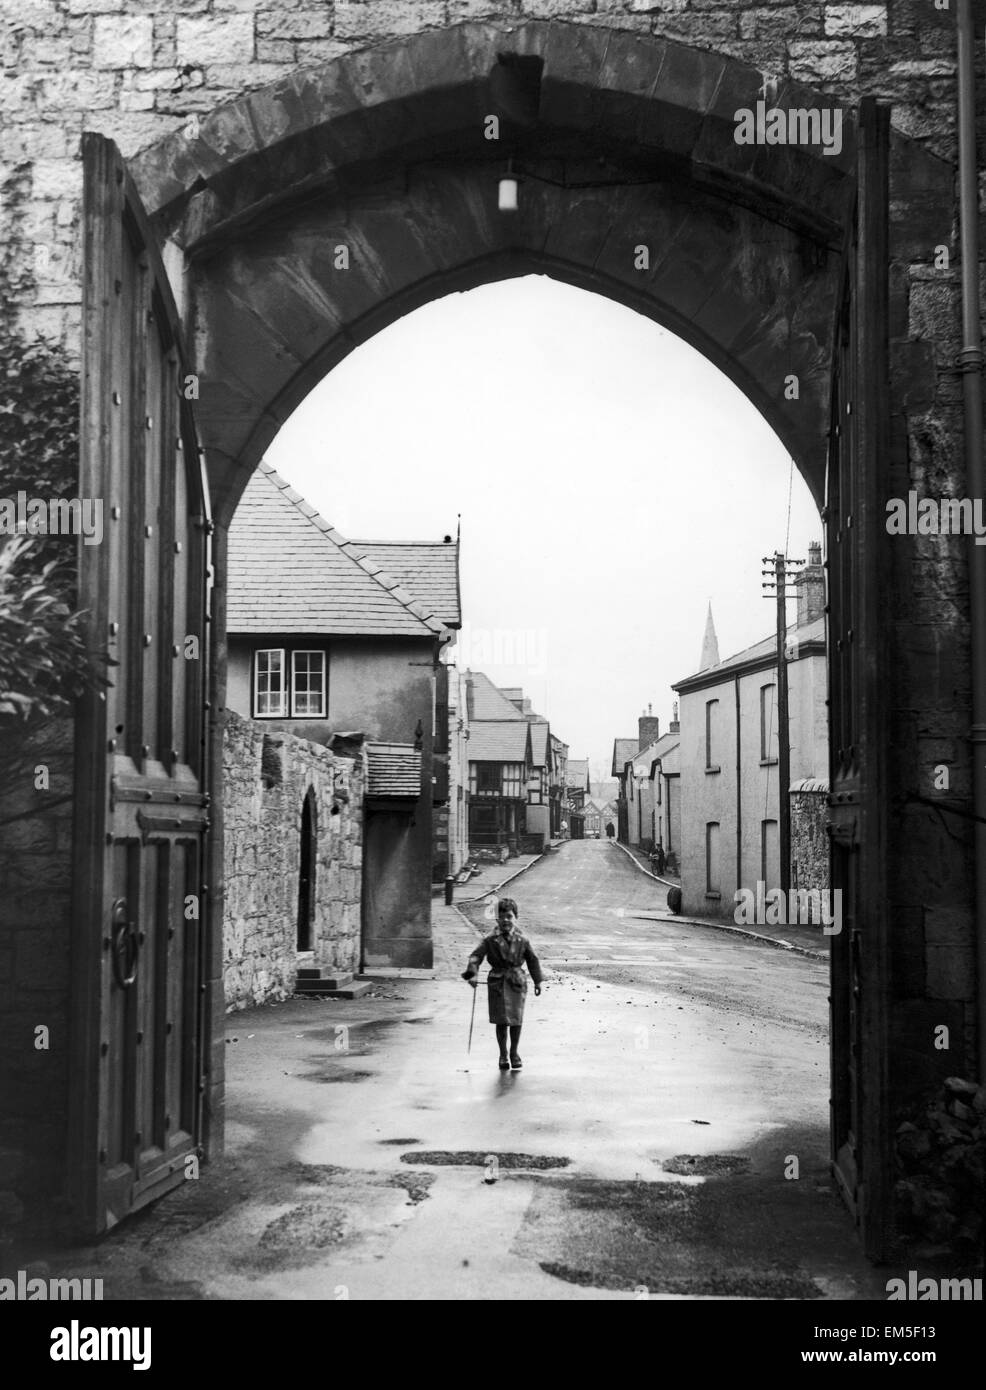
point(44, 661)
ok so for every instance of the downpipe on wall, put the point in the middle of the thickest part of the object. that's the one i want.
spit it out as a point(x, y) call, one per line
point(970, 363)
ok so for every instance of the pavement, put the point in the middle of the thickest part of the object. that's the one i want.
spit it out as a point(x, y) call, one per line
point(667, 1136)
point(790, 936)
point(491, 877)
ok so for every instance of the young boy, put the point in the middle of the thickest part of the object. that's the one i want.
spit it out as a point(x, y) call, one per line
point(506, 949)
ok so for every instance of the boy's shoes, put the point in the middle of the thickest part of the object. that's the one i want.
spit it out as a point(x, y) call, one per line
point(515, 1063)
point(504, 1064)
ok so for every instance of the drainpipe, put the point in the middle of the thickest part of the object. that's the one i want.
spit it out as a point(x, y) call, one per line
point(970, 363)
point(739, 791)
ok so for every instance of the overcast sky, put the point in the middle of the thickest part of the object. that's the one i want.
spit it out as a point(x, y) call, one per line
point(611, 482)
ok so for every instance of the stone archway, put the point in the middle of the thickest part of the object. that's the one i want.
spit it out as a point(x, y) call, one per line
point(382, 155)
point(314, 212)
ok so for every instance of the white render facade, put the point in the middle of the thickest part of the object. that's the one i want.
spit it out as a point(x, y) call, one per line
point(727, 758)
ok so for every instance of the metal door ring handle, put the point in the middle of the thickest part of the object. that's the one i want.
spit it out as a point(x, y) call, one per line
point(125, 947)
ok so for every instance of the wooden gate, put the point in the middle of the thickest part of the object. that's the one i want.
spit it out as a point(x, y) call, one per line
point(855, 515)
point(139, 949)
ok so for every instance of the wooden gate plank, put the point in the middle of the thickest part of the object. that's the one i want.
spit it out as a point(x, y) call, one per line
point(142, 823)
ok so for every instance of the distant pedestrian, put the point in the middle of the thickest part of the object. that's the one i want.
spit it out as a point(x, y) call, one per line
point(610, 831)
point(659, 860)
point(507, 949)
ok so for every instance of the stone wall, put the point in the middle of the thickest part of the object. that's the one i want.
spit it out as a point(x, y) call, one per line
point(97, 65)
point(137, 71)
point(809, 836)
point(35, 964)
point(267, 777)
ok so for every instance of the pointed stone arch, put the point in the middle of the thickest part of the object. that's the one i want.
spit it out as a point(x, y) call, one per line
point(382, 152)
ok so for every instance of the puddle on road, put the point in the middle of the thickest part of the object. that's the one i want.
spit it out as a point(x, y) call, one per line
point(474, 1158)
point(334, 1077)
point(669, 1237)
point(706, 1165)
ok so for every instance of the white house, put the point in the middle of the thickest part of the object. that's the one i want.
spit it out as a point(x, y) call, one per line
point(728, 765)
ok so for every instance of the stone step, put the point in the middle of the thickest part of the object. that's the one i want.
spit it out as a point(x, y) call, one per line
point(355, 989)
point(338, 981)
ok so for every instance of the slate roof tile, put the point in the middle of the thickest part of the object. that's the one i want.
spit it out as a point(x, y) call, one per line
point(290, 571)
point(813, 631)
point(430, 570)
point(485, 701)
point(539, 743)
point(623, 750)
point(498, 740)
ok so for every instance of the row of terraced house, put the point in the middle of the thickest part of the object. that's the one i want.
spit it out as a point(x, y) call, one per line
point(362, 767)
point(704, 798)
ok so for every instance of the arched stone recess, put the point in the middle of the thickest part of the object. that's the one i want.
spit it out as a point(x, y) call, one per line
point(628, 142)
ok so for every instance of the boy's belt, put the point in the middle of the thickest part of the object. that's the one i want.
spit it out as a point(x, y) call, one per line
point(512, 974)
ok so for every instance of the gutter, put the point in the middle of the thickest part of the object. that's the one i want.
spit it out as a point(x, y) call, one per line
point(970, 364)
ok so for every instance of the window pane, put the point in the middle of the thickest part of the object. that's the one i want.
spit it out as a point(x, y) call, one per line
point(711, 731)
point(770, 857)
point(270, 682)
point(308, 683)
point(768, 723)
point(712, 857)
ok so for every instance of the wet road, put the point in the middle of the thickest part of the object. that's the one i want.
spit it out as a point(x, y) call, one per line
point(672, 1075)
point(578, 907)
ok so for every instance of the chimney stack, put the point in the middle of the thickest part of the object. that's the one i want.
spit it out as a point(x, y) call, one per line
point(647, 729)
point(674, 727)
point(810, 585)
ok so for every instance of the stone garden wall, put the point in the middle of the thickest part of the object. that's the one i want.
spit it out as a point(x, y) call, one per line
point(267, 777)
point(809, 837)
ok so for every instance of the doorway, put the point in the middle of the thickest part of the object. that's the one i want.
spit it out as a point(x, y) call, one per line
point(306, 871)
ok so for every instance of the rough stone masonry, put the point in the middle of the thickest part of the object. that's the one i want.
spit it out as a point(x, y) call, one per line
point(137, 72)
point(267, 777)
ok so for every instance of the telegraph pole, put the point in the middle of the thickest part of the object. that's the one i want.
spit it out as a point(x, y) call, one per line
point(778, 568)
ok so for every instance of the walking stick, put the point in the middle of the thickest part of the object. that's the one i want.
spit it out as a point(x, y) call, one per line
point(472, 1019)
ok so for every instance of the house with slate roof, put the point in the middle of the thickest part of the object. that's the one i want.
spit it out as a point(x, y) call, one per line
point(728, 761)
point(543, 804)
point(500, 766)
point(557, 782)
point(327, 639)
point(430, 571)
point(624, 751)
point(645, 792)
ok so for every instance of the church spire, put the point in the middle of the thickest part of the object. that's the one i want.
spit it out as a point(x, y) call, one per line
point(710, 644)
